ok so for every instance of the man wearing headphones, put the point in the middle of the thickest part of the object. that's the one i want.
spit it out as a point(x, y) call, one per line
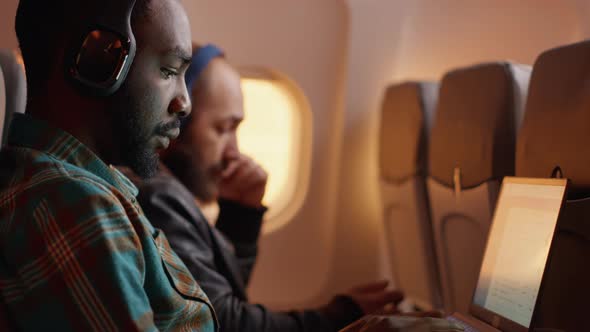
point(77, 252)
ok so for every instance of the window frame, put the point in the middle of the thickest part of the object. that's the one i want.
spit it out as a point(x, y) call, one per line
point(280, 215)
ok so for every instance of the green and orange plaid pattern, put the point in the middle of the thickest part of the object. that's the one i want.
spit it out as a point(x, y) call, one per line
point(76, 251)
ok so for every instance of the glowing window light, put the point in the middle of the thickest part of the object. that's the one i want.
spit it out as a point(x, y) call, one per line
point(267, 133)
point(276, 133)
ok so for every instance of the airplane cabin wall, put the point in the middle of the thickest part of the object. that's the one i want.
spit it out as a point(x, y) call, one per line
point(583, 8)
point(7, 35)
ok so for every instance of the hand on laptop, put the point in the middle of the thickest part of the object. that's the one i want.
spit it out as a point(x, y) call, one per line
point(375, 298)
point(375, 323)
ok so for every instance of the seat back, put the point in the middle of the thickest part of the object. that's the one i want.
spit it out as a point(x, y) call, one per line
point(15, 88)
point(472, 147)
point(2, 102)
point(556, 133)
point(12, 99)
point(406, 119)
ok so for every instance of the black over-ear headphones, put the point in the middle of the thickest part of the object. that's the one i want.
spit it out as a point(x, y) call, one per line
point(101, 58)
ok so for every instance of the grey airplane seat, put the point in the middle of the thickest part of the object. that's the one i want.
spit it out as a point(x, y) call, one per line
point(2, 99)
point(15, 88)
point(406, 119)
point(556, 134)
point(472, 147)
point(12, 100)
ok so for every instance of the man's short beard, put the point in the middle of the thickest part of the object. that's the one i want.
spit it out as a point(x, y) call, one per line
point(135, 151)
point(141, 160)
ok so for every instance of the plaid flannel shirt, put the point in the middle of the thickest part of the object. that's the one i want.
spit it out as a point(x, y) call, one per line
point(76, 251)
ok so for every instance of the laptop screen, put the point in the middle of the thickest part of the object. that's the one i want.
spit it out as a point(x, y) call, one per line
point(518, 247)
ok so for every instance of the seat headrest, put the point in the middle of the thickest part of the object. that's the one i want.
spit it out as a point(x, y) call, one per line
point(15, 87)
point(407, 113)
point(478, 113)
point(556, 127)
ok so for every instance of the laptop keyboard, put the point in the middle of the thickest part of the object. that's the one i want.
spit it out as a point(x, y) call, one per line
point(467, 327)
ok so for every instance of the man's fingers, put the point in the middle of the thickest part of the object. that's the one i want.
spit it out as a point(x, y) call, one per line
point(241, 168)
point(388, 309)
point(251, 175)
point(396, 297)
point(371, 287)
point(231, 168)
point(392, 296)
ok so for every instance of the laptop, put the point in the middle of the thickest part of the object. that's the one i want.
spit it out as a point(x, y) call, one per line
point(516, 255)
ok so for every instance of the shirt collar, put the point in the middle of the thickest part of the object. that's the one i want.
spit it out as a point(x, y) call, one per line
point(27, 131)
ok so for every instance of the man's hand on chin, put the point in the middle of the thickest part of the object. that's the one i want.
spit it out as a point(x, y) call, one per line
point(244, 182)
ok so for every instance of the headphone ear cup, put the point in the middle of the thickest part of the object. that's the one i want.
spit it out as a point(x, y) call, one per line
point(102, 61)
point(102, 56)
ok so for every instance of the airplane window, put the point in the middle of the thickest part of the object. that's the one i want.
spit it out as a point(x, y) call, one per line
point(276, 132)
